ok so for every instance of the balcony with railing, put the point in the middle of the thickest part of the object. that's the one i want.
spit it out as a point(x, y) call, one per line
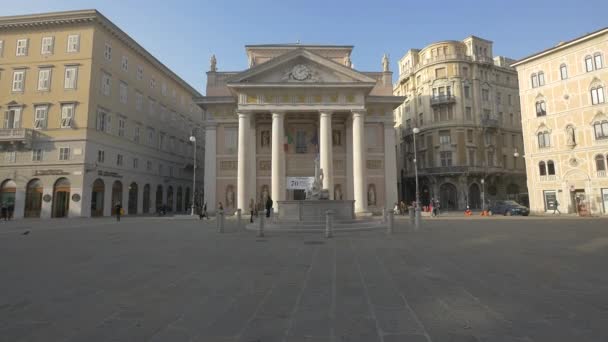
point(601, 173)
point(490, 122)
point(548, 178)
point(17, 136)
point(442, 99)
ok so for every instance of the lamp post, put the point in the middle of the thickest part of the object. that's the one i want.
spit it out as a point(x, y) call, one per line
point(415, 131)
point(483, 195)
point(193, 140)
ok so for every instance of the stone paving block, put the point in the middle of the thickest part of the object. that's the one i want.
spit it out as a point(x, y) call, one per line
point(310, 323)
point(405, 338)
point(397, 321)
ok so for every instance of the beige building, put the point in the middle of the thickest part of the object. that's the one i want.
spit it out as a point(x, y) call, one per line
point(91, 119)
point(565, 125)
point(465, 103)
point(266, 125)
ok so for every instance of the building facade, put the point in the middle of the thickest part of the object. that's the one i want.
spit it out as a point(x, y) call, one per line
point(293, 104)
point(465, 103)
point(91, 119)
point(565, 125)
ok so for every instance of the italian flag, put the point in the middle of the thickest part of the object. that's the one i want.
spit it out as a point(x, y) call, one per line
point(287, 140)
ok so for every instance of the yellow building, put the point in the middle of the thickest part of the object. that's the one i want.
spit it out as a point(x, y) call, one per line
point(91, 119)
point(565, 125)
point(464, 102)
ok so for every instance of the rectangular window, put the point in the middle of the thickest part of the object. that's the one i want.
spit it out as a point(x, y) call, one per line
point(490, 158)
point(598, 61)
point(139, 101)
point(420, 119)
point(140, 72)
point(12, 117)
point(588, 63)
point(73, 43)
point(135, 163)
point(136, 134)
point(124, 65)
point(40, 116)
point(107, 52)
point(37, 155)
point(510, 99)
point(151, 136)
point(469, 135)
point(1, 48)
point(67, 115)
point(64, 153)
point(119, 159)
point(468, 113)
point(18, 80)
point(541, 79)
point(121, 127)
point(597, 95)
point(563, 71)
point(485, 94)
point(472, 157)
point(534, 81)
point(301, 142)
point(10, 156)
point(123, 92)
point(445, 138)
point(101, 156)
point(22, 47)
point(71, 74)
point(467, 92)
point(489, 138)
point(106, 84)
point(446, 158)
point(230, 140)
point(104, 121)
point(149, 165)
point(47, 45)
point(162, 142)
point(152, 83)
point(44, 79)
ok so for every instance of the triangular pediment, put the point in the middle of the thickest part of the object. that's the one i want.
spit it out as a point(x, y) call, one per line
point(300, 67)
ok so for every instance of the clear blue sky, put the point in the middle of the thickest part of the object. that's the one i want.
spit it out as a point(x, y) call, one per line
point(183, 34)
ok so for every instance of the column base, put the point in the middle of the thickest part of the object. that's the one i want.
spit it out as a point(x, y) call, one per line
point(364, 214)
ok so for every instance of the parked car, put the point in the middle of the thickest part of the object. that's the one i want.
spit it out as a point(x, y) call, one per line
point(508, 208)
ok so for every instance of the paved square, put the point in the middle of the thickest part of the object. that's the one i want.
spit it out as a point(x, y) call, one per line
point(157, 279)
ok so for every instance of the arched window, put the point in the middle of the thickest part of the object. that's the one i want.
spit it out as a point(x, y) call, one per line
point(600, 164)
point(544, 139)
point(563, 71)
point(588, 63)
point(550, 168)
point(534, 79)
point(597, 58)
point(597, 95)
point(601, 129)
point(541, 108)
point(542, 169)
point(541, 78)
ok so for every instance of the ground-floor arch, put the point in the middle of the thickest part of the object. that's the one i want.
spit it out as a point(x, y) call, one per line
point(170, 198)
point(188, 204)
point(133, 193)
point(448, 196)
point(159, 197)
point(61, 198)
point(474, 196)
point(33, 198)
point(116, 194)
point(8, 188)
point(178, 205)
point(97, 197)
point(146, 199)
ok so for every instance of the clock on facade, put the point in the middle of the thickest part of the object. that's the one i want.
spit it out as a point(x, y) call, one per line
point(300, 72)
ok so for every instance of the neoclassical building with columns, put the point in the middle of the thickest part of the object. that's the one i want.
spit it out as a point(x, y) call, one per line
point(268, 123)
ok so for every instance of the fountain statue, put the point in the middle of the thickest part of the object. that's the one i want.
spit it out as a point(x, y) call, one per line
point(316, 191)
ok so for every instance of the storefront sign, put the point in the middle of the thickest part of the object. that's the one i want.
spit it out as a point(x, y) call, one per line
point(109, 174)
point(299, 183)
point(50, 173)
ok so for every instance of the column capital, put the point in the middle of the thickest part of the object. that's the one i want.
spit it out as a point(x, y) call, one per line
point(277, 113)
point(359, 112)
point(325, 112)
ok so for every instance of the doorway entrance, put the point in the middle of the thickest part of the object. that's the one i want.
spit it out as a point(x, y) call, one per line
point(579, 202)
point(61, 198)
point(97, 196)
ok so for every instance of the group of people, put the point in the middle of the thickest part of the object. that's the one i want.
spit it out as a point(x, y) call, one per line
point(433, 207)
point(254, 209)
point(6, 211)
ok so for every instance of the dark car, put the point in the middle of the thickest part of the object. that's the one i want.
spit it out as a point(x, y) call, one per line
point(508, 208)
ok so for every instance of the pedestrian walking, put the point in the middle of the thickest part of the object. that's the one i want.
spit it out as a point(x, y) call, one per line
point(118, 211)
point(204, 211)
point(436, 206)
point(432, 207)
point(251, 210)
point(402, 208)
point(268, 206)
point(396, 209)
point(556, 208)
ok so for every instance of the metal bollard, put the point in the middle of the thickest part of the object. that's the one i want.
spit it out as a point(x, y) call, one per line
point(411, 212)
point(261, 225)
point(238, 218)
point(417, 219)
point(220, 221)
point(383, 215)
point(391, 221)
point(329, 221)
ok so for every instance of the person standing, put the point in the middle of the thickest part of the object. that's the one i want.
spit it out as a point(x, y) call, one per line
point(204, 211)
point(118, 211)
point(220, 206)
point(268, 206)
point(251, 210)
point(556, 208)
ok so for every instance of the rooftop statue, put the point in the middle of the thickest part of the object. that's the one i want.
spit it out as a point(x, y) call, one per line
point(212, 63)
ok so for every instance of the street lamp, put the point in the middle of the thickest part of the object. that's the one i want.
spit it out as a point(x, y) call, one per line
point(483, 196)
point(416, 130)
point(193, 140)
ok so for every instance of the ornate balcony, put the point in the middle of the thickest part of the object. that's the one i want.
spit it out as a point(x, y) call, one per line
point(442, 99)
point(490, 122)
point(22, 136)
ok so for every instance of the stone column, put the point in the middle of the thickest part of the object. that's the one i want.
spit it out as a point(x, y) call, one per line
point(359, 162)
point(278, 166)
point(390, 165)
point(252, 180)
point(244, 141)
point(325, 152)
point(349, 160)
point(210, 168)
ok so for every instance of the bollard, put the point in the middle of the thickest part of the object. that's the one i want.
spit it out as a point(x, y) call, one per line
point(261, 226)
point(238, 218)
point(384, 215)
point(220, 221)
point(417, 219)
point(411, 213)
point(391, 221)
point(329, 223)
